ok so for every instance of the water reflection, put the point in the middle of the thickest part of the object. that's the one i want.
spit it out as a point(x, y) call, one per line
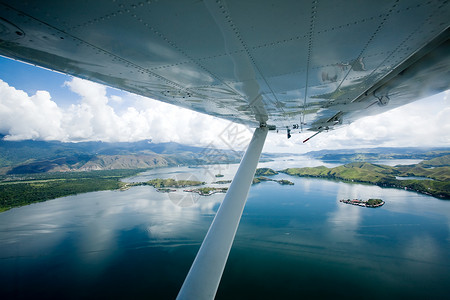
point(299, 161)
point(97, 217)
point(291, 239)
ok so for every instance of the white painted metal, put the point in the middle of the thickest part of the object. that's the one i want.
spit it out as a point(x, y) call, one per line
point(268, 61)
point(204, 276)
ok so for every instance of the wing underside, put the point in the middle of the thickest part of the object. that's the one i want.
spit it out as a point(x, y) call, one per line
point(292, 64)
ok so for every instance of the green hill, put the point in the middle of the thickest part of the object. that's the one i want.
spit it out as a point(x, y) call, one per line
point(381, 153)
point(265, 172)
point(360, 172)
point(438, 185)
point(442, 161)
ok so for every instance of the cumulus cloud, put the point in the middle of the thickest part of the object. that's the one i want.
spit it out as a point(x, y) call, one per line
point(28, 117)
point(96, 117)
point(93, 118)
point(422, 123)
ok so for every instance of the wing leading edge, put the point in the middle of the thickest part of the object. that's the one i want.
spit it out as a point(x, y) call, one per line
point(318, 64)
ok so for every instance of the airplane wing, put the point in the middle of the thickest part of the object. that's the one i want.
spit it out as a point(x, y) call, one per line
point(269, 64)
point(289, 64)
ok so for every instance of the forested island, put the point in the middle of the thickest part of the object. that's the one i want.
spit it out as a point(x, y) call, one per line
point(369, 203)
point(163, 184)
point(261, 173)
point(262, 178)
point(222, 182)
point(208, 191)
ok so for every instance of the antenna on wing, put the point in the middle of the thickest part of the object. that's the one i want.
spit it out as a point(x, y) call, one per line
point(312, 136)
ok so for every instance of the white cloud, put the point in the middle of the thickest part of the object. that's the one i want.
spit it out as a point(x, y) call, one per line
point(423, 123)
point(24, 117)
point(93, 117)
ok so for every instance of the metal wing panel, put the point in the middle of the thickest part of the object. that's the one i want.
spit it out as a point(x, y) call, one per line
point(282, 62)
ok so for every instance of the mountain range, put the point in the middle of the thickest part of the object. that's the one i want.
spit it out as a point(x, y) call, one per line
point(20, 157)
point(380, 153)
point(29, 156)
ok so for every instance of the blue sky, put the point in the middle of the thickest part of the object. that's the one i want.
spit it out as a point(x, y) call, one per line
point(36, 103)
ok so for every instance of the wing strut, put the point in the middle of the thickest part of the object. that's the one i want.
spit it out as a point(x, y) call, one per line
point(204, 276)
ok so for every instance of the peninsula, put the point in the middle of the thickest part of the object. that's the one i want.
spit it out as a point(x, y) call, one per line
point(261, 173)
point(430, 177)
point(162, 185)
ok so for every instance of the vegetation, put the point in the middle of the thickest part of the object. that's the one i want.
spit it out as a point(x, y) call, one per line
point(222, 181)
point(368, 203)
point(265, 172)
point(374, 202)
point(437, 169)
point(386, 176)
point(207, 191)
point(165, 190)
point(373, 154)
point(284, 182)
point(26, 157)
point(26, 189)
point(262, 178)
point(22, 189)
point(163, 183)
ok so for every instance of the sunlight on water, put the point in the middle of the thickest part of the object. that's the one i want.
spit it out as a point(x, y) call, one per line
point(292, 241)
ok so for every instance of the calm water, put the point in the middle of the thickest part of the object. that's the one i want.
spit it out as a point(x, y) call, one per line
point(412, 177)
point(293, 242)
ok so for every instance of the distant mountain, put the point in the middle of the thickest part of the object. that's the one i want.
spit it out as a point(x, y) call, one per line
point(372, 154)
point(22, 157)
point(437, 162)
point(28, 157)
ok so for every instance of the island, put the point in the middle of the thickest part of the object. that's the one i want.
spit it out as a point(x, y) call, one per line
point(165, 190)
point(262, 178)
point(162, 184)
point(221, 182)
point(207, 191)
point(368, 203)
point(261, 173)
point(265, 172)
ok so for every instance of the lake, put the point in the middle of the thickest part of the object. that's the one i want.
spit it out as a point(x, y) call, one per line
point(293, 242)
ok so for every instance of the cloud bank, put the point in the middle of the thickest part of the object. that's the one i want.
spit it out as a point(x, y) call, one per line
point(93, 118)
point(424, 123)
point(100, 116)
